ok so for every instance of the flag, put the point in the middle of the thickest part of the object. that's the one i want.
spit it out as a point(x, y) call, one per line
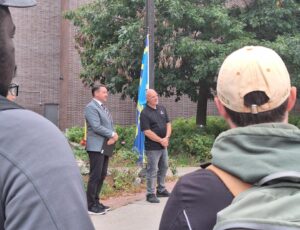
point(144, 85)
point(83, 140)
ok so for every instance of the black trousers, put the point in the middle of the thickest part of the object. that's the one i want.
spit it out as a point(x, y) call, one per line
point(98, 172)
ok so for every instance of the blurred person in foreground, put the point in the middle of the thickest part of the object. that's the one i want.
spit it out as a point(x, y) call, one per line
point(40, 183)
point(254, 96)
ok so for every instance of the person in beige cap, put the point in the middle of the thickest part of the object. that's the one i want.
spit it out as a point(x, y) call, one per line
point(254, 95)
point(40, 183)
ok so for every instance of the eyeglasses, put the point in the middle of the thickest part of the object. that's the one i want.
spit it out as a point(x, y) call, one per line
point(13, 89)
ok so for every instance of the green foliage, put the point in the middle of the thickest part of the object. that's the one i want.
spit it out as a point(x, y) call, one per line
point(124, 179)
point(215, 125)
point(191, 40)
point(80, 153)
point(126, 136)
point(173, 166)
point(295, 120)
point(107, 190)
point(189, 139)
point(199, 145)
point(188, 144)
point(124, 158)
point(75, 134)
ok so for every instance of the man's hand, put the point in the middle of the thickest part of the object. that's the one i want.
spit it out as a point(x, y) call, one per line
point(115, 137)
point(111, 141)
point(165, 142)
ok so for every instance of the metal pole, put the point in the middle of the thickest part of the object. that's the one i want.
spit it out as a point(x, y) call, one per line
point(150, 19)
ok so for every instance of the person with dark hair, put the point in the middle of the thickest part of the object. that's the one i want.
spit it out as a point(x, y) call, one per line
point(40, 183)
point(254, 96)
point(100, 129)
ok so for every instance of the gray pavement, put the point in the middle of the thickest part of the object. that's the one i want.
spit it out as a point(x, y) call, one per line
point(139, 215)
point(135, 216)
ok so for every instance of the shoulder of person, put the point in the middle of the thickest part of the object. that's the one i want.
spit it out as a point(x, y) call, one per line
point(90, 104)
point(145, 110)
point(198, 180)
point(161, 107)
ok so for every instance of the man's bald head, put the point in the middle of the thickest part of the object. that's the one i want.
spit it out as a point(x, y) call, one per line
point(152, 98)
point(150, 93)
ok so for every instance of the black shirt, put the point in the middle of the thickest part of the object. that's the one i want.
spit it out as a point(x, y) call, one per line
point(155, 120)
point(196, 199)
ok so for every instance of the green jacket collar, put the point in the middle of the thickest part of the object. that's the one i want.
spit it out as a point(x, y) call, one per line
point(254, 152)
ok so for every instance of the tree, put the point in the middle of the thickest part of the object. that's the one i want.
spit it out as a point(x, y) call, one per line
point(192, 38)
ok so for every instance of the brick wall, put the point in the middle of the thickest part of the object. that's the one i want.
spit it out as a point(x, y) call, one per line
point(37, 54)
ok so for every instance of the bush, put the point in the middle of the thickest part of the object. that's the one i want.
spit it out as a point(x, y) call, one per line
point(294, 120)
point(80, 153)
point(199, 145)
point(75, 134)
point(187, 140)
point(124, 158)
point(124, 179)
point(126, 137)
point(215, 125)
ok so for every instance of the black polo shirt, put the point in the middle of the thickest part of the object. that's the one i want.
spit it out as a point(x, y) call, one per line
point(156, 120)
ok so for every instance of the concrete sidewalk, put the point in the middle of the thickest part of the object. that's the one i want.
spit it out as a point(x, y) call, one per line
point(137, 215)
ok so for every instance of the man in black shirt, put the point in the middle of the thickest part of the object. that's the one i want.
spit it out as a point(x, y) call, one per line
point(156, 126)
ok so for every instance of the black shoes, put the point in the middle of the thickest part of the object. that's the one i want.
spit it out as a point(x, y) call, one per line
point(107, 208)
point(152, 198)
point(164, 193)
point(96, 210)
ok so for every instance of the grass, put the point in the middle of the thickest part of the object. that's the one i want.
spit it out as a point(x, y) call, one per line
point(184, 160)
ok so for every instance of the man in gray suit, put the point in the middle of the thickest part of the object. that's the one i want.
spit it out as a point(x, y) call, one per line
point(99, 129)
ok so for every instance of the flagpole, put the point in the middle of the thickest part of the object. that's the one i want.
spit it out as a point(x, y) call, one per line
point(150, 19)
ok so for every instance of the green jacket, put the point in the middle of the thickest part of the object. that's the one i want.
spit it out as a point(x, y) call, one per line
point(258, 154)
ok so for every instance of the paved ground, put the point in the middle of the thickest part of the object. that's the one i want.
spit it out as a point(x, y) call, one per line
point(136, 214)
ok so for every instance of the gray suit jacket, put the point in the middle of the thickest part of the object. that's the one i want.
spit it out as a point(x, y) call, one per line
point(99, 126)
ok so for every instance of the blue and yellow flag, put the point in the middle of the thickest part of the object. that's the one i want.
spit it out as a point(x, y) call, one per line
point(142, 101)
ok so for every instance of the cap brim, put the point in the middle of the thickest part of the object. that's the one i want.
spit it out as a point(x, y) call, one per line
point(18, 3)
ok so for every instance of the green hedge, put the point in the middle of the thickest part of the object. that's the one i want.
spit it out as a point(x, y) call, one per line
point(187, 138)
point(75, 134)
point(294, 120)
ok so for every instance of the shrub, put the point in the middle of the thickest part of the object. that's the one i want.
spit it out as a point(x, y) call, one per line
point(126, 137)
point(124, 158)
point(294, 120)
point(80, 153)
point(215, 125)
point(187, 140)
point(200, 146)
point(75, 134)
point(181, 129)
point(124, 179)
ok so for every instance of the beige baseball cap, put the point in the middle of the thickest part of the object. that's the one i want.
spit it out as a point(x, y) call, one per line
point(253, 68)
